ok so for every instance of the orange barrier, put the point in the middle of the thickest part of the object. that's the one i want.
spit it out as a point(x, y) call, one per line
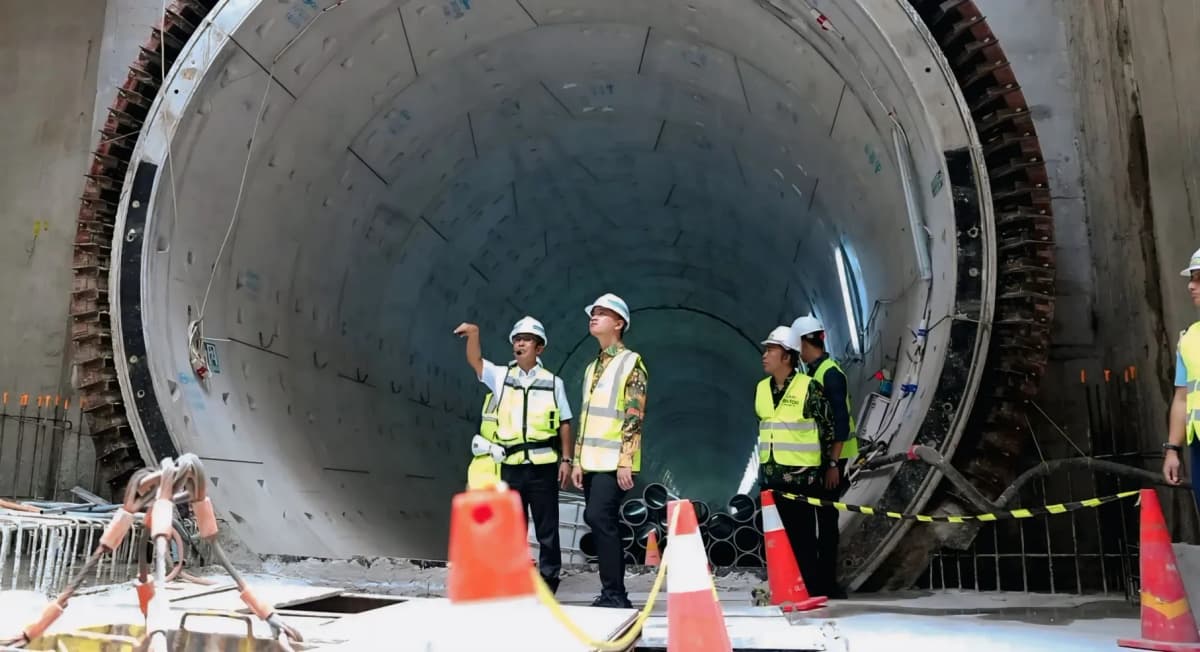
point(695, 622)
point(653, 558)
point(1167, 622)
point(783, 572)
point(489, 555)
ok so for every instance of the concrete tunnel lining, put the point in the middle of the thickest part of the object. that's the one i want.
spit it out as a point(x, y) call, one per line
point(705, 148)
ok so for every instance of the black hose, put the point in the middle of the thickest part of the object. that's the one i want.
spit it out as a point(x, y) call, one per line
point(935, 459)
point(1090, 463)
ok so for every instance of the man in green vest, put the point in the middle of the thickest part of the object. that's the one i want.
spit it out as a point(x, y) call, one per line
point(608, 451)
point(795, 445)
point(808, 337)
point(528, 406)
point(1184, 424)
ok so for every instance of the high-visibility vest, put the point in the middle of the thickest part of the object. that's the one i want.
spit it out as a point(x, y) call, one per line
point(483, 471)
point(604, 414)
point(783, 432)
point(1189, 350)
point(528, 418)
point(850, 447)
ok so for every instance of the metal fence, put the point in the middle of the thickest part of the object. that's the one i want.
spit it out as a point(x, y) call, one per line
point(44, 451)
point(1091, 551)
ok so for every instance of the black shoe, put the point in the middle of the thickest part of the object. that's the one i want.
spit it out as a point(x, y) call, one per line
point(612, 601)
point(551, 583)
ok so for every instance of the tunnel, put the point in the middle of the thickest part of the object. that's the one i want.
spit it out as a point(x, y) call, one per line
point(305, 197)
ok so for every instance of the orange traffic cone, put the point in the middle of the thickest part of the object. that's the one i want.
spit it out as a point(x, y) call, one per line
point(652, 556)
point(489, 556)
point(695, 622)
point(1167, 622)
point(783, 572)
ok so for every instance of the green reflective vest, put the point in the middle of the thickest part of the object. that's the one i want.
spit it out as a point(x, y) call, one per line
point(783, 432)
point(850, 446)
point(1189, 350)
point(483, 471)
point(603, 414)
point(528, 416)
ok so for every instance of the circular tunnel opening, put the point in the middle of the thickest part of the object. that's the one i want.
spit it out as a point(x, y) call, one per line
point(327, 190)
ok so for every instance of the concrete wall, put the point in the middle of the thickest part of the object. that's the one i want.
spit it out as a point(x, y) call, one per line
point(48, 62)
point(1107, 82)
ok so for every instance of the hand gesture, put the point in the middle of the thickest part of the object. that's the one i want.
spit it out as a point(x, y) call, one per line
point(464, 329)
point(1171, 466)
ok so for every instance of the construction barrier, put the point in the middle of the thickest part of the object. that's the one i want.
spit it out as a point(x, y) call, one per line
point(1001, 515)
point(1167, 622)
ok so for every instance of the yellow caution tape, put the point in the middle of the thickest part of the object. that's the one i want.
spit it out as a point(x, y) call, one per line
point(546, 597)
point(1027, 512)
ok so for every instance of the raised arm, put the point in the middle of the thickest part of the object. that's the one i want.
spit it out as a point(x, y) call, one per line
point(474, 354)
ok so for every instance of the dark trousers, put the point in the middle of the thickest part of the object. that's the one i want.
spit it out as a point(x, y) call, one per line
point(538, 486)
point(602, 514)
point(813, 534)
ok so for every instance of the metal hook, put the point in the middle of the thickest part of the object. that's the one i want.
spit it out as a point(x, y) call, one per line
point(268, 344)
point(317, 364)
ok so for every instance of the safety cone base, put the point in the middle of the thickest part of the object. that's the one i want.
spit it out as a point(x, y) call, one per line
point(1160, 646)
point(815, 602)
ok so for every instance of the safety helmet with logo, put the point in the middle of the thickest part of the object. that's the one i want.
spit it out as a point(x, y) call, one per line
point(613, 303)
point(781, 335)
point(1193, 264)
point(802, 326)
point(530, 326)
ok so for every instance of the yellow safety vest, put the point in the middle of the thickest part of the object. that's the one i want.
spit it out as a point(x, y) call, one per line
point(527, 417)
point(783, 432)
point(850, 447)
point(1189, 350)
point(604, 414)
point(483, 471)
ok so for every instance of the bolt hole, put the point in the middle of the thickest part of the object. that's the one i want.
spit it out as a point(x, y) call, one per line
point(141, 393)
point(928, 69)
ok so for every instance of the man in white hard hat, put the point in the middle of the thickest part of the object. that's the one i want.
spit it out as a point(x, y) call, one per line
point(608, 449)
point(1184, 424)
point(528, 418)
point(808, 336)
point(795, 445)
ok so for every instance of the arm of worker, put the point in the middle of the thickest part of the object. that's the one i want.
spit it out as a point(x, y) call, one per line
point(835, 391)
point(631, 430)
point(1177, 425)
point(817, 407)
point(566, 445)
point(474, 353)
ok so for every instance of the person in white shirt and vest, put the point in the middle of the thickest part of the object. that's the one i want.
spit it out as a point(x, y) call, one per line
point(795, 446)
point(1183, 429)
point(608, 450)
point(526, 427)
point(808, 337)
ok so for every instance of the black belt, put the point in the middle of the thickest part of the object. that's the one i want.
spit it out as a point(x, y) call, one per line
point(551, 443)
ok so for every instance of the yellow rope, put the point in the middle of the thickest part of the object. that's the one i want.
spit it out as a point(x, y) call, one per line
point(629, 637)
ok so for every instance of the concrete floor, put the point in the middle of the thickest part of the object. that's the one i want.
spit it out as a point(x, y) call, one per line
point(982, 622)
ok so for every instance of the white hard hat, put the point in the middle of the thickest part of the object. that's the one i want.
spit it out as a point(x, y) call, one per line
point(802, 326)
point(530, 326)
point(1193, 264)
point(612, 302)
point(781, 335)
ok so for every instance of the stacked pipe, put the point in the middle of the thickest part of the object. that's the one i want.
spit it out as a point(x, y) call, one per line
point(732, 535)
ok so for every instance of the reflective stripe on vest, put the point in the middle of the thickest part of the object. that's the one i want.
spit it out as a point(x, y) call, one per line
point(784, 434)
point(604, 414)
point(528, 416)
point(1189, 350)
point(850, 446)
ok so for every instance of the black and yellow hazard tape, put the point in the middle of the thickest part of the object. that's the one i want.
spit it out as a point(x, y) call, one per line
point(1028, 512)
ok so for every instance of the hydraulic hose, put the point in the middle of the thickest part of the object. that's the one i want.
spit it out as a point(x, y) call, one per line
point(935, 459)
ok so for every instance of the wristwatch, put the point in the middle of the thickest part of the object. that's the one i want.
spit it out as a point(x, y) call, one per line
point(1168, 446)
point(568, 461)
